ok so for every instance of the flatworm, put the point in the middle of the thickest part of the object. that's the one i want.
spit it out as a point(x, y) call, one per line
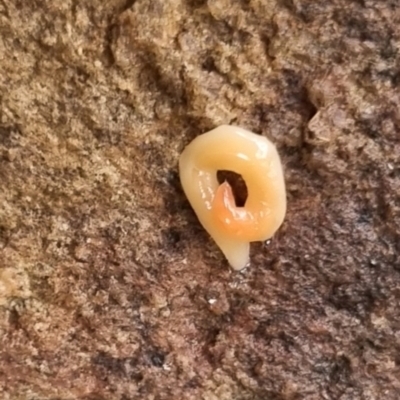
point(256, 159)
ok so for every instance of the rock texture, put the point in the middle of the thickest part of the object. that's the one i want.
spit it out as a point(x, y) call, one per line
point(109, 287)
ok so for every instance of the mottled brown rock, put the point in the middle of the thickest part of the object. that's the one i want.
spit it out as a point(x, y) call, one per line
point(109, 287)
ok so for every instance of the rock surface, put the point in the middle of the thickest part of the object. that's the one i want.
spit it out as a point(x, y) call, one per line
point(109, 287)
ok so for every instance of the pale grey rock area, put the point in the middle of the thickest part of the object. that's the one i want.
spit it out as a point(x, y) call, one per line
point(109, 287)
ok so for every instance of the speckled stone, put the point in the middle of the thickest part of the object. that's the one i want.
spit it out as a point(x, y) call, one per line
point(109, 287)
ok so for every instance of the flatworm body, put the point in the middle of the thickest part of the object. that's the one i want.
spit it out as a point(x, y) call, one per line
point(256, 159)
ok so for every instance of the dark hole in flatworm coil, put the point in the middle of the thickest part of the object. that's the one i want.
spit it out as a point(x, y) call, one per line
point(237, 183)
